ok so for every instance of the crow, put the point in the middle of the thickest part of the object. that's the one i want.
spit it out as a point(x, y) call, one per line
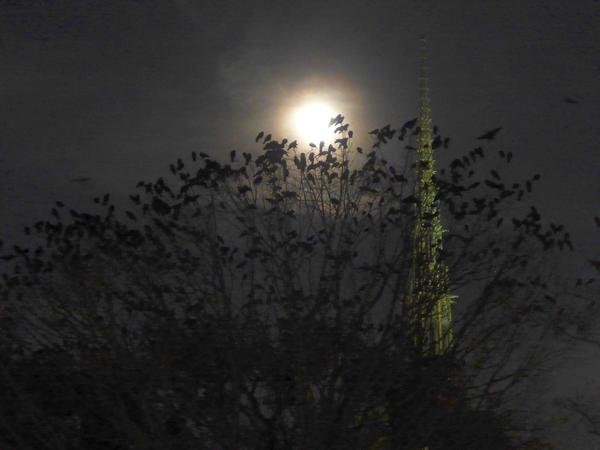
point(260, 135)
point(571, 101)
point(81, 180)
point(489, 135)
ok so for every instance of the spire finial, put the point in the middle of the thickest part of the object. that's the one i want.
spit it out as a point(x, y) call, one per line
point(424, 106)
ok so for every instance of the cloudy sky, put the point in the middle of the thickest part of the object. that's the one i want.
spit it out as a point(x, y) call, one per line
point(96, 95)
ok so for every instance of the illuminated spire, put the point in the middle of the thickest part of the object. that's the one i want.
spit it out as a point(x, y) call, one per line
point(428, 286)
point(424, 118)
point(428, 298)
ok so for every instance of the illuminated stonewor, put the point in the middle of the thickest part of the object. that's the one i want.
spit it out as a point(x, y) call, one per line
point(429, 301)
point(428, 298)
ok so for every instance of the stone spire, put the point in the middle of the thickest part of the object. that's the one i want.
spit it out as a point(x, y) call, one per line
point(428, 284)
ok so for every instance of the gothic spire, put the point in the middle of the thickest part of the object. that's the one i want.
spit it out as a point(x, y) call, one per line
point(424, 117)
point(429, 281)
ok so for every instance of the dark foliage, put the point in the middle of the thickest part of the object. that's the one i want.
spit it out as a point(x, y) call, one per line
point(261, 303)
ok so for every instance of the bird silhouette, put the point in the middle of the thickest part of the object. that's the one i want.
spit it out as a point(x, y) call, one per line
point(571, 101)
point(259, 136)
point(81, 179)
point(489, 135)
point(267, 138)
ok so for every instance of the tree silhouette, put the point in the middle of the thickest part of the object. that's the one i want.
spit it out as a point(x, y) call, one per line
point(261, 303)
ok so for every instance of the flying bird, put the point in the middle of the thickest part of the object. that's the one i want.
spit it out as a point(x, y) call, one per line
point(267, 138)
point(490, 135)
point(260, 135)
point(571, 101)
point(81, 179)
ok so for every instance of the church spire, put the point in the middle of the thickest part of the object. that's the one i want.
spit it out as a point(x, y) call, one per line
point(428, 285)
point(424, 117)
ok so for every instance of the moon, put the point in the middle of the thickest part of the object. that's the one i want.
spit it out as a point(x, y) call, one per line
point(312, 122)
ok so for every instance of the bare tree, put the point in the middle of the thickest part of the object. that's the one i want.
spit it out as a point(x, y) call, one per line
point(262, 303)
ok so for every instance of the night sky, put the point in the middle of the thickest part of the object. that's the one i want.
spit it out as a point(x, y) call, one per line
point(98, 95)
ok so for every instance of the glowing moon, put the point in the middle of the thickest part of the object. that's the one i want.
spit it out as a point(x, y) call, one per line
point(312, 122)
